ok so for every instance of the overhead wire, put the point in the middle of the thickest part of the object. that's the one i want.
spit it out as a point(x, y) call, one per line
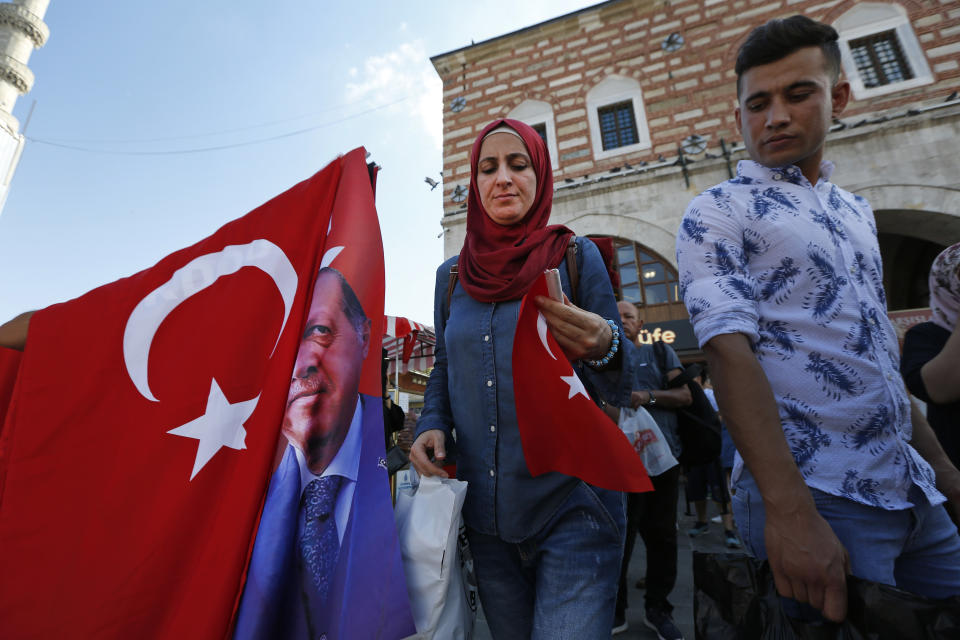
point(208, 134)
point(128, 152)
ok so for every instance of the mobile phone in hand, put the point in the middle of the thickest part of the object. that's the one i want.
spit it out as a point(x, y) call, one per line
point(553, 284)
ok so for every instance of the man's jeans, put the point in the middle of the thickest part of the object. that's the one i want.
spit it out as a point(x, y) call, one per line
point(916, 549)
point(560, 583)
point(654, 515)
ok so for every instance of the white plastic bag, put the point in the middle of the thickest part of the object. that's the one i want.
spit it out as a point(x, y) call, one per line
point(440, 581)
point(645, 436)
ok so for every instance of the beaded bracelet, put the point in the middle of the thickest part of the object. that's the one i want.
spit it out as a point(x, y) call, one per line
point(614, 346)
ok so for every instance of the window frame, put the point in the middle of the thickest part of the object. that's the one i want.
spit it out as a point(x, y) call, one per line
point(612, 90)
point(616, 108)
point(669, 277)
point(871, 19)
point(537, 112)
point(876, 65)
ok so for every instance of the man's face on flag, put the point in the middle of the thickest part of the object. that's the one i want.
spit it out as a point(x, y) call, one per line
point(326, 377)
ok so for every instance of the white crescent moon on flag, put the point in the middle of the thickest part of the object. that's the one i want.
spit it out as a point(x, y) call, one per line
point(330, 256)
point(195, 276)
point(542, 330)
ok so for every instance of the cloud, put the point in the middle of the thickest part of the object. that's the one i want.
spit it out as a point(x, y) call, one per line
point(404, 72)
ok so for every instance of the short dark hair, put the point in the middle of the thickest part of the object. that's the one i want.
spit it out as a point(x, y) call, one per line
point(350, 304)
point(779, 38)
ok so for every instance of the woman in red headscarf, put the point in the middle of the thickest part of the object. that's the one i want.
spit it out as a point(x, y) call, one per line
point(546, 549)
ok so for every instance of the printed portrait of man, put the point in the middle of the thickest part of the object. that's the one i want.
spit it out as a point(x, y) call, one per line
point(323, 397)
point(326, 547)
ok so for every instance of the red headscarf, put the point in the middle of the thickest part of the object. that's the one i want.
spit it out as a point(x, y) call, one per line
point(500, 262)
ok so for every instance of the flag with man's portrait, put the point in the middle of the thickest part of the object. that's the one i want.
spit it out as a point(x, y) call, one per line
point(145, 424)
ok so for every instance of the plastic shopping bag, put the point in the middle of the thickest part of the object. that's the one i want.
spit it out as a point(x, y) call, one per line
point(645, 436)
point(735, 599)
point(440, 582)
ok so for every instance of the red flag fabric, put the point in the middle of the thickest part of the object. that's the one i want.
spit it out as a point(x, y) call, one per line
point(9, 366)
point(410, 342)
point(560, 426)
point(146, 420)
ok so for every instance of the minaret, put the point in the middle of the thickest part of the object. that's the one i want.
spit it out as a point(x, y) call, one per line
point(21, 31)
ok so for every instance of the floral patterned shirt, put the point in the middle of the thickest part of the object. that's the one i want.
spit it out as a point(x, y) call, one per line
point(796, 268)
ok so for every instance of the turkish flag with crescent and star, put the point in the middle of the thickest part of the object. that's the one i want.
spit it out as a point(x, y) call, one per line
point(560, 426)
point(145, 423)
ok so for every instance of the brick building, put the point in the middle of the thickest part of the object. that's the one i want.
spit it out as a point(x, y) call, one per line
point(635, 99)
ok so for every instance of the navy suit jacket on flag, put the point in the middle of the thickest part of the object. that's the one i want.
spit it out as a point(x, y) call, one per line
point(368, 596)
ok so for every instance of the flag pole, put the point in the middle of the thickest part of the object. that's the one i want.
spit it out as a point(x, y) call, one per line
point(396, 380)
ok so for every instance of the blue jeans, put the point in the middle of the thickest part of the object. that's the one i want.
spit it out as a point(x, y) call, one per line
point(561, 582)
point(916, 549)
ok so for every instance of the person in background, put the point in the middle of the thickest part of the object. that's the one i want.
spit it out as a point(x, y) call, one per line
point(931, 353)
point(710, 478)
point(393, 416)
point(547, 549)
point(653, 514)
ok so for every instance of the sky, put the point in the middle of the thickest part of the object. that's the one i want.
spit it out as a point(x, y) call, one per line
point(135, 102)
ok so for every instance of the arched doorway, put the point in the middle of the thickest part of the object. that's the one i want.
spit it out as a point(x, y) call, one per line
point(648, 280)
point(909, 241)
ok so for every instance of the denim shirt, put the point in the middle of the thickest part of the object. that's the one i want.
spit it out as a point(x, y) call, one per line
point(471, 391)
point(795, 267)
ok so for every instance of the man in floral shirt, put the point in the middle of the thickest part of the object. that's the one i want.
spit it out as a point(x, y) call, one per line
point(781, 273)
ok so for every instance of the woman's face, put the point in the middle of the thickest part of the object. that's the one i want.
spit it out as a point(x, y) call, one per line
point(505, 178)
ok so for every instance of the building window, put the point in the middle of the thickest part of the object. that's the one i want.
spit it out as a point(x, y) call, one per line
point(879, 52)
point(880, 59)
point(618, 124)
point(541, 129)
point(618, 127)
point(539, 115)
point(645, 278)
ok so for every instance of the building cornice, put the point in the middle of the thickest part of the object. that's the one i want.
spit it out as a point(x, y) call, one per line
point(476, 49)
point(26, 22)
point(16, 73)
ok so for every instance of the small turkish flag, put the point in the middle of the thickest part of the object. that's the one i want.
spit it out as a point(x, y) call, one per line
point(560, 426)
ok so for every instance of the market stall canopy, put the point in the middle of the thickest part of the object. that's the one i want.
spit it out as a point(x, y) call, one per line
point(410, 343)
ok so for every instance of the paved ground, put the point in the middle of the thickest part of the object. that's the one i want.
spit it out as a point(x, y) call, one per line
point(682, 597)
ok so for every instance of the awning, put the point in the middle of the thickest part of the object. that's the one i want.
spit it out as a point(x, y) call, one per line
point(409, 342)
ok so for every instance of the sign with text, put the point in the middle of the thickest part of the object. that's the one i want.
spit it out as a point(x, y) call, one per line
point(676, 333)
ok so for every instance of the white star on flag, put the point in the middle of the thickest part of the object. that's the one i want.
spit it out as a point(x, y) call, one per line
point(221, 425)
point(576, 387)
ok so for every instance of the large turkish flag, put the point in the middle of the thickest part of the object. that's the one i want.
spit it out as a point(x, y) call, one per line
point(560, 426)
point(9, 366)
point(144, 427)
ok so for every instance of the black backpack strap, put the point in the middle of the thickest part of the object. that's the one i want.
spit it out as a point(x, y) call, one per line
point(688, 374)
point(451, 285)
point(573, 271)
point(661, 355)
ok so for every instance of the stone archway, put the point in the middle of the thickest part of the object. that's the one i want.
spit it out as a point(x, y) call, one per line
point(914, 223)
point(657, 238)
point(909, 241)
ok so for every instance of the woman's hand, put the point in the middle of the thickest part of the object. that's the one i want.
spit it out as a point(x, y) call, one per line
point(583, 335)
point(430, 441)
